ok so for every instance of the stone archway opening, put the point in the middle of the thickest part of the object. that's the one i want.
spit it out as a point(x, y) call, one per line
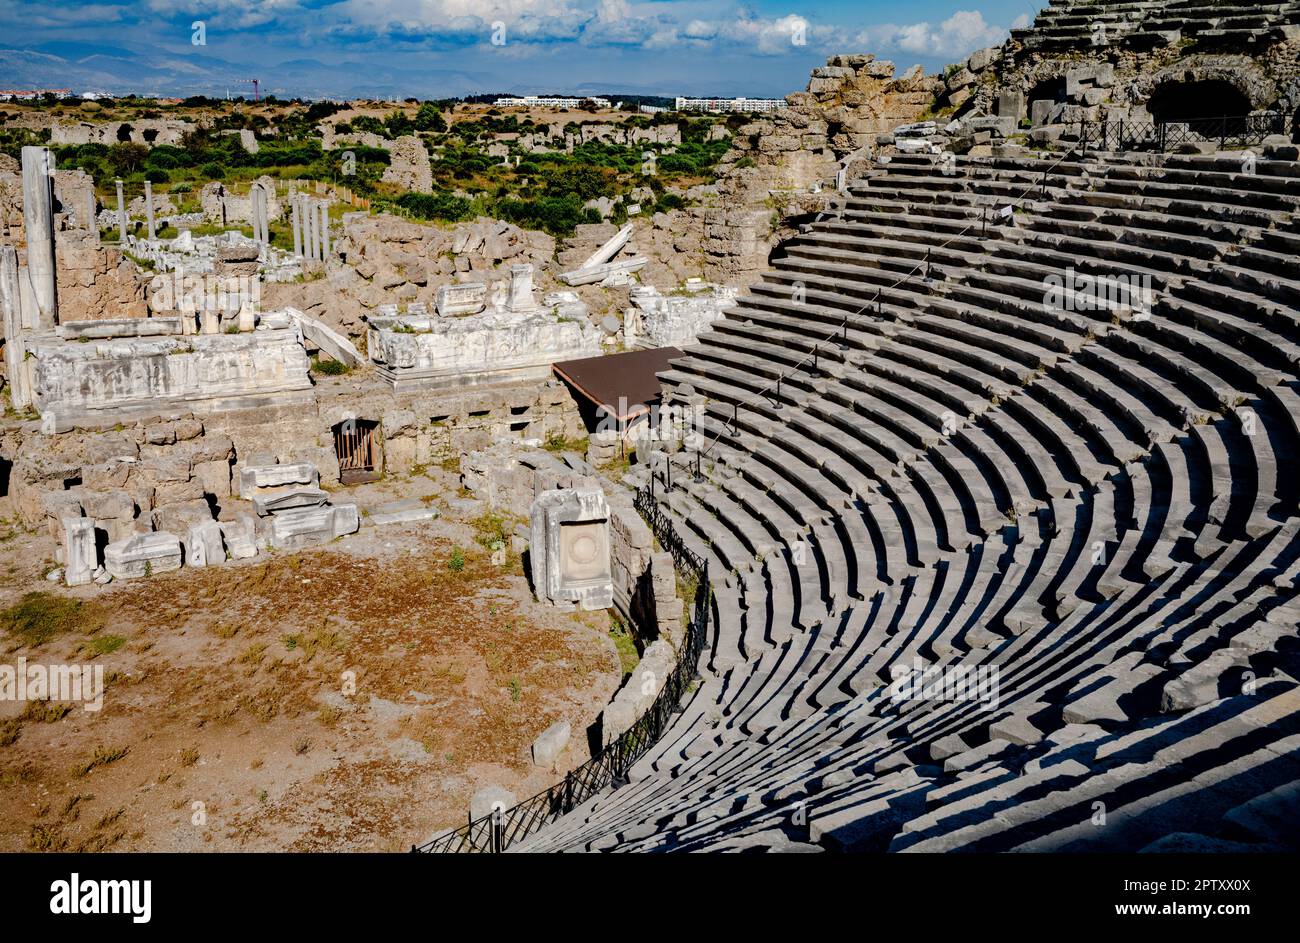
point(1051, 90)
point(124, 132)
point(1196, 100)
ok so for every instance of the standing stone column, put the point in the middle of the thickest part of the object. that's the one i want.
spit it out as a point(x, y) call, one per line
point(521, 288)
point(313, 228)
point(121, 212)
point(92, 217)
point(304, 207)
point(263, 216)
point(38, 217)
point(15, 335)
point(296, 218)
point(324, 229)
point(148, 209)
point(254, 219)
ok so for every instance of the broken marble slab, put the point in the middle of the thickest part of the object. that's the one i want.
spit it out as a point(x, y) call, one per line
point(143, 555)
point(241, 537)
point(254, 477)
point(326, 339)
point(106, 328)
point(80, 554)
point(611, 248)
point(305, 527)
point(598, 273)
point(405, 511)
point(272, 501)
point(204, 545)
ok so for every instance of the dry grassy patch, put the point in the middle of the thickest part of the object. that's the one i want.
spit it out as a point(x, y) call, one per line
point(322, 699)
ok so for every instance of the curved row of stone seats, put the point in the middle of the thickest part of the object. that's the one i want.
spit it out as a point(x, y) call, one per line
point(1146, 23)
point(751, 789)
point(1147, 536)
point(1171, 785)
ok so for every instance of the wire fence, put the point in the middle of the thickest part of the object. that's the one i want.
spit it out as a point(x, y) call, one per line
point(504, 827)
point(1229, 131)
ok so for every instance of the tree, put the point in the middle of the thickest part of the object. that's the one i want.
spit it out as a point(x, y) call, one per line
point(397, 123)
point(126, 157)
point(429, 118)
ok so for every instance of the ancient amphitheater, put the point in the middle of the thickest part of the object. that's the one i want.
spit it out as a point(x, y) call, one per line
point(913, 466)
point(1108, 522)
point(986, 506)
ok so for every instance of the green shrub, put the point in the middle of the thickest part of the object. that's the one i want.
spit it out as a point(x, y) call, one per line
point(330, 368)
point(441, 206)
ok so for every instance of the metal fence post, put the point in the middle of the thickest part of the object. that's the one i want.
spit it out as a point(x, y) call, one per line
point(498, 830)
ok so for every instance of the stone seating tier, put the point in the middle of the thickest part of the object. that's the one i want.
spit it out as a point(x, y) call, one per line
point(1089, 502)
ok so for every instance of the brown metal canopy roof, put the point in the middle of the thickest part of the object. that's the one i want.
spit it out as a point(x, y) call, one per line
point(624, 384)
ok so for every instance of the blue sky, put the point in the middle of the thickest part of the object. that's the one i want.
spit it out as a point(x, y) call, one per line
point(430, 48)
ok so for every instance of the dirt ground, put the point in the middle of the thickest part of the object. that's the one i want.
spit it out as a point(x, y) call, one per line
point(348, 697)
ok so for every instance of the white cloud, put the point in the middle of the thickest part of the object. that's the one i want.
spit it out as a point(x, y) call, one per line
point(722, 25)
point(962, 33)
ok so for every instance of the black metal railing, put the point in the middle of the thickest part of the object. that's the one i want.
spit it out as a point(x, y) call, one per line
point(502, 828)
point(1226, 131)
point(683, 556)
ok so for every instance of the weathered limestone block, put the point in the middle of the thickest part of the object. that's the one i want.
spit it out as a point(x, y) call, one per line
point(570, 548)
point(214, 476)
point(80, 554)
point(178, 518)
point(305, 527)
point(177, 492)
point(142, 555)
point(464, 298)
point(57, 505)
point(429, 351)
point(143, 375)
point(204, 545)
point(640, 691)
point(550, 744)
point(108, 505)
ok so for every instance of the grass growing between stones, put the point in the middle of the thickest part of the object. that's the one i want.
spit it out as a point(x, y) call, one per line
point(628, 658)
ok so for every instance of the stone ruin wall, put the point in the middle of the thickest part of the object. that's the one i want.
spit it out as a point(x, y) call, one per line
point(150, 474)
point(1117, 81)
point(776, 161)
point(221, 205)
point(144, 131)
point(386, 260)
point(94, 281)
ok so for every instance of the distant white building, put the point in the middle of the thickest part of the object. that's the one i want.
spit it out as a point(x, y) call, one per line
point(540, 101)
point(730, 104)
point(16, 94)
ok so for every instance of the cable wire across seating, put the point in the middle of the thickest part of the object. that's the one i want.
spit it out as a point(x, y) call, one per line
point(924, 264)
